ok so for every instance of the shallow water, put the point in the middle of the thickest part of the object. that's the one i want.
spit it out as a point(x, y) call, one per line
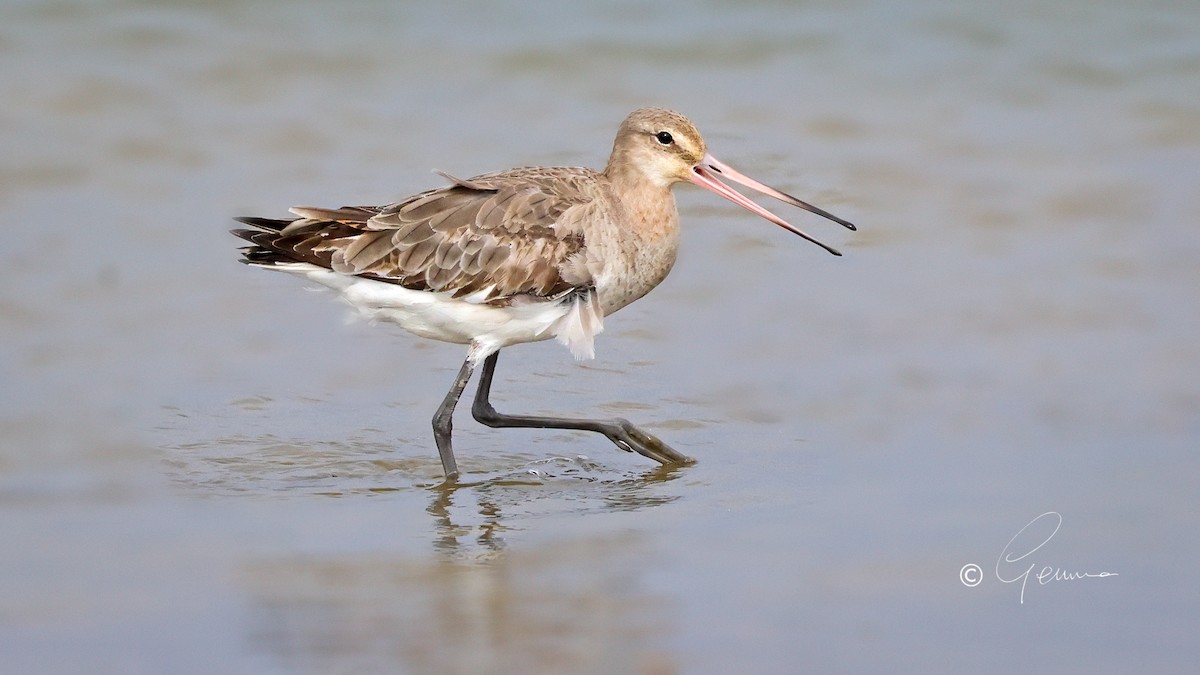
point(204, 467)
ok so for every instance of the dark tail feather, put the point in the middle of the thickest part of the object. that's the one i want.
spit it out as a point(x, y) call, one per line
point(264, 250)
point(269, 246)
point(268, 224)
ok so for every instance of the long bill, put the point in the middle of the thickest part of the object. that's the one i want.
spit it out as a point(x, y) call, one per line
point(705, 173)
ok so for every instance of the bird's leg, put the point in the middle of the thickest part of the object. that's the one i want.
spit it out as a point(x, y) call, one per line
point(443, 422)
point(626, 436)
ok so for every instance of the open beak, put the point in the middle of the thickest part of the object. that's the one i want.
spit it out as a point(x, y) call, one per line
point(705, 175)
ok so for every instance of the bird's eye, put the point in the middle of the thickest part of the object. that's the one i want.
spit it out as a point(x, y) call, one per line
point(664, 137)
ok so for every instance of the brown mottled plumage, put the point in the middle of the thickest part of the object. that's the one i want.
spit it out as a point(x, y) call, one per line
point(493, 237)
point(515, 256)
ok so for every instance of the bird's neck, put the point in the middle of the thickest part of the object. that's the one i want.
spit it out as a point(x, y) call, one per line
point(648, 201)
point(649, 208)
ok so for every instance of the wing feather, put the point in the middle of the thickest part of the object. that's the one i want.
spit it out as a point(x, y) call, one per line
point(492, 237)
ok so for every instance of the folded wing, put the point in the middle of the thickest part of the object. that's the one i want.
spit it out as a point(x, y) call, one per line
point(486, 239)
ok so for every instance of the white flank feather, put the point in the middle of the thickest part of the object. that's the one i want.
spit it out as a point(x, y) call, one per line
point(575, 322)
point(578, 328)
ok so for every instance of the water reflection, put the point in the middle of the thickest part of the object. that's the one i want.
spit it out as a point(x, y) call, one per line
point(570, 605)
point(497, 493)
point(470, 517)
point(577, 603)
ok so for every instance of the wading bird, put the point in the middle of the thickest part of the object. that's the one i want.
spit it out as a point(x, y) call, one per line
point(516, 256)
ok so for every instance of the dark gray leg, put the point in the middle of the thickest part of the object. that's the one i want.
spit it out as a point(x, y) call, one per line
point(442, 422)
point(626, 436)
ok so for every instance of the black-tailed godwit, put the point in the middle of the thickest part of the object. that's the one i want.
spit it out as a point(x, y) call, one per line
point(516, 256)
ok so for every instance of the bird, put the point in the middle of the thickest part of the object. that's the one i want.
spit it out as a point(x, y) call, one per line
point(516, 256)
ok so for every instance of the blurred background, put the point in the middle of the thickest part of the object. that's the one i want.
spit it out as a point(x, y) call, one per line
point(203, 467)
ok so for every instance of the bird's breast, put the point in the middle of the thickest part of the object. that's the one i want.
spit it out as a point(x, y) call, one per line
point(639, 253)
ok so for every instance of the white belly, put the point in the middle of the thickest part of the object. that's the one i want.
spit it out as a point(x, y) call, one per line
point(438, 316)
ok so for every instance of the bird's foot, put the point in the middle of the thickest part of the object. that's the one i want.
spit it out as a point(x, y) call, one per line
point(630, 438)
